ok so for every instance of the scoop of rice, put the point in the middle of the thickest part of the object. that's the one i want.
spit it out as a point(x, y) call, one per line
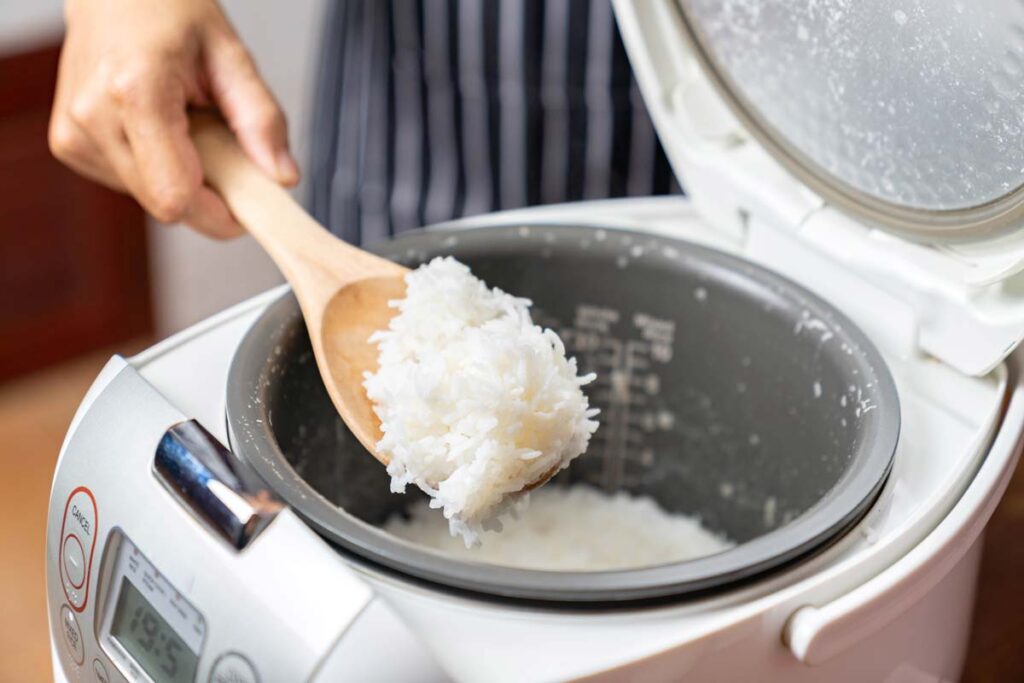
point(475, 401)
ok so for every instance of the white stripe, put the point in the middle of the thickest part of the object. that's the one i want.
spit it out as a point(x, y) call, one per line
point(512, 99)
point(598, 96)
point(373, 189)
point(408, 140)
point(554, 167)
point(444, 167)
point(344, 209)
point(476, 151)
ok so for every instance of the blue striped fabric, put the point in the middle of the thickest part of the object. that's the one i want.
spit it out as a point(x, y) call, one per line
point(429, 110)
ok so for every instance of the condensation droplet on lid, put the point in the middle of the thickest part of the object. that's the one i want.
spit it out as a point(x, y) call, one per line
point(549, 237)
point(754, 440)
point(741, 388)
point(900, 17)
point(636, 251)
point(726, 489)
point(601, 235)
point(700, 294)
point(524, 231)
point(622, 262)
point(817, 390)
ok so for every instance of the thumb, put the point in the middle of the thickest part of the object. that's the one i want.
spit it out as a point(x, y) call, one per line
point(249, 108)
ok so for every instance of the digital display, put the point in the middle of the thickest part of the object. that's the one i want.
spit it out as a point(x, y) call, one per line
point(150, 640)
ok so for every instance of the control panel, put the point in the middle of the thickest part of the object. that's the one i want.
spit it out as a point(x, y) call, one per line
point(163, 567)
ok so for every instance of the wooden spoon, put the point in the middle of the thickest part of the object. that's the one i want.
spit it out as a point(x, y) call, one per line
point(342, 290)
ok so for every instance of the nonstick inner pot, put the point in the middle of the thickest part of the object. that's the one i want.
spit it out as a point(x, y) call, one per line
point(726, 392)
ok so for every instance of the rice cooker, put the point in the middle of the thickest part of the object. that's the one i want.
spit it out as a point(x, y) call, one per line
point(813, 353)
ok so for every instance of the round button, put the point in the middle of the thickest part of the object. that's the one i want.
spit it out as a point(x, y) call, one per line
point(232, 667)
point(99, 672)
point(72, 634)
point(74, 561)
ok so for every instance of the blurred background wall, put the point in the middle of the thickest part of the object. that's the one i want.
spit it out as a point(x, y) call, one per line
point(188, 276)
point(192, 276)
point(84, 274)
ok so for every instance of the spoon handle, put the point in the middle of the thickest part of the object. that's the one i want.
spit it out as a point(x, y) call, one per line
point(316, 263)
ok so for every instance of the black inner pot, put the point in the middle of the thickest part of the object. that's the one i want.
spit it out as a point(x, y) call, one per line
point(726, 392)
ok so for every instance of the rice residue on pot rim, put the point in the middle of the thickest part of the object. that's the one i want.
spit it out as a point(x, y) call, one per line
point(475, 401)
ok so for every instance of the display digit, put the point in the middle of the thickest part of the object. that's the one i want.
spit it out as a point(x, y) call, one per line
point(170, 667)
point(148, 631)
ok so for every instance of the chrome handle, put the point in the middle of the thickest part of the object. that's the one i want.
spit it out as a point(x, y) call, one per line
point(201, 473)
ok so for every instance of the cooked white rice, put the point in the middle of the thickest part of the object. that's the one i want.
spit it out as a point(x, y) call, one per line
point(475, 401)
point(577, 528)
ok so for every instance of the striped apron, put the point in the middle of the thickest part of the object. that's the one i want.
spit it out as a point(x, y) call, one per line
point(429, 110)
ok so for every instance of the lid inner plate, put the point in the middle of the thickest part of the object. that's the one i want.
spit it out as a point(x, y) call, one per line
point(899, 107)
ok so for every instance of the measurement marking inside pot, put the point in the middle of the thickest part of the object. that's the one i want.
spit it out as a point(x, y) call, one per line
point(628, 384)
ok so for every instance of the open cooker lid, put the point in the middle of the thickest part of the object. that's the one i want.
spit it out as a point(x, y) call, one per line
point(891, 132)
point(907, 115)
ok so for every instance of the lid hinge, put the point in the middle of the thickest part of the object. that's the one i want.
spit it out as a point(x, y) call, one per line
point(911, 298)
point(890, 321)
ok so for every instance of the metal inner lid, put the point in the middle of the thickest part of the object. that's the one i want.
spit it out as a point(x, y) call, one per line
point(907, 113)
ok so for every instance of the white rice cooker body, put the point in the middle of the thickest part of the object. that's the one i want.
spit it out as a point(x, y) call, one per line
point(894, 607)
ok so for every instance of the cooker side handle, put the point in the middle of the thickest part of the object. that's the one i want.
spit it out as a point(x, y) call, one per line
point(815, 634)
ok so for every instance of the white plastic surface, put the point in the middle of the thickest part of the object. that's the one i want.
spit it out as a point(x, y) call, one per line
point(110, 452)
point(967, 300)
point(816, 633)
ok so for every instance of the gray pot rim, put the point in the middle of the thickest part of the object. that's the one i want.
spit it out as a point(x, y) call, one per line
point(838, 510)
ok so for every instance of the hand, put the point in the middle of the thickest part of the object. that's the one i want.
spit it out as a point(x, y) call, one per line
point(129, 70)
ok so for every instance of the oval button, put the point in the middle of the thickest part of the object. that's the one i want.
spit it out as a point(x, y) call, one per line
point(74, 561)
point(77, 542)
point(233, 668)
point(72, 634)
point(99, 672)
